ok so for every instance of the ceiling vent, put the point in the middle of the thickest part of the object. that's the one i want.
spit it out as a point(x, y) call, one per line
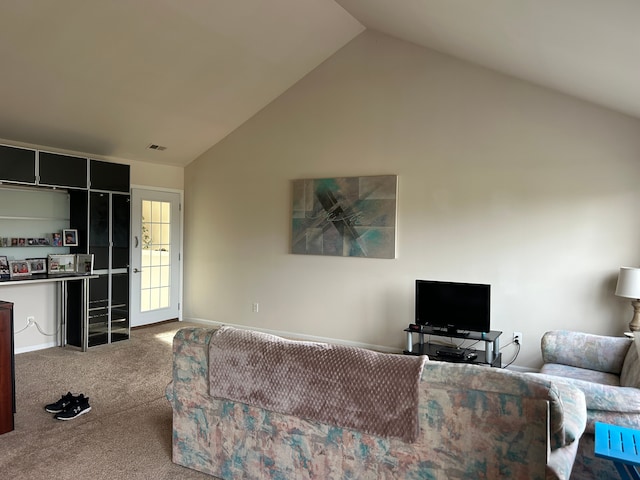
point(153, 146)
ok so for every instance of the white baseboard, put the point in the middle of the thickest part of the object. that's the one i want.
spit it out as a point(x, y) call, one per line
point(33, 348)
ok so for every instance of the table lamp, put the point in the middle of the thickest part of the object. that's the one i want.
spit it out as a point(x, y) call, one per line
point(629, 287)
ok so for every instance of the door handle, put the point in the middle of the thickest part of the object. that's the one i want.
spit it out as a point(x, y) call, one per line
point(135, 270)
point(136, 237)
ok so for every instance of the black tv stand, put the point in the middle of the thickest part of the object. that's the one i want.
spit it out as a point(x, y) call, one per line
point(490, 356)
point(451, 331)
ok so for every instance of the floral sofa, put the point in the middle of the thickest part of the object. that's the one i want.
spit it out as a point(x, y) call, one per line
point(248, 405)
point(607, 370)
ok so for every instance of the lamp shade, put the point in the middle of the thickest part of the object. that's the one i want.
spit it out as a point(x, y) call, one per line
point(628, 282)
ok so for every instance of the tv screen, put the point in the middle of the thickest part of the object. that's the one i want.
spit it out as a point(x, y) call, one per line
point(456, 307)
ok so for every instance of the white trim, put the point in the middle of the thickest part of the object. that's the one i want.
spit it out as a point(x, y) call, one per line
point(33, 348)
point(157, 189)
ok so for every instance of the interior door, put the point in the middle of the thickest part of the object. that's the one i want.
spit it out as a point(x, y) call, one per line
point(155, 256)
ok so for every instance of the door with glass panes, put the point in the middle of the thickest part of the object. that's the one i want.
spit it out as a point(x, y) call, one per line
point(155, 256)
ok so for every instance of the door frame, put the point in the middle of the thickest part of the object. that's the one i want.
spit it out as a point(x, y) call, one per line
point(132, 292)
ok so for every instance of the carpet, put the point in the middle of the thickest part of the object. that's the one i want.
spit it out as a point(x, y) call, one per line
point(127, 434)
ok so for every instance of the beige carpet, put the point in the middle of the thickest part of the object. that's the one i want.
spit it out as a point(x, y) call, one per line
point(127, 434)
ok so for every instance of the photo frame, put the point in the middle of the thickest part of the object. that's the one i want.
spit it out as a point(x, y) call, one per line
point(61, 264)
point(37, 265)
point(84, 263)
point(56, 239)
point(19, 268)
point(5, 272)
point(70, 237)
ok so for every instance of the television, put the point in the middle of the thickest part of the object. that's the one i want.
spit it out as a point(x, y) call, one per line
point(453, 307)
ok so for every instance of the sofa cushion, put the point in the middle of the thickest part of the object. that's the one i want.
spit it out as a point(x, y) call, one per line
point(585, 350)
point(578, 373)
point(630, 375)
point(607, 398)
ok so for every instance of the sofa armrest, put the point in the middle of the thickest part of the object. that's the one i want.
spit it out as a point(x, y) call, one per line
point(585, 350)
point(190, 364)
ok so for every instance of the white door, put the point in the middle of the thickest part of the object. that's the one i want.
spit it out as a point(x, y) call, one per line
point(155, 256)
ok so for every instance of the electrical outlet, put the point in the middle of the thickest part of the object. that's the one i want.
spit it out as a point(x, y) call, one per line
point(256, 307)
point(31, 320)
point(517, 337)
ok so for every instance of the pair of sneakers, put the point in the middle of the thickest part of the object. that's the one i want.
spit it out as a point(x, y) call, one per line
point(69, 407)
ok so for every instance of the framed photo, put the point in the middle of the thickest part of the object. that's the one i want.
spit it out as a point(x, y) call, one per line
point(19, 268)
point(61, 264)
point(70, 237)
point(37, 265)
point(84, 263)
point(4, 267)
point(56, 239)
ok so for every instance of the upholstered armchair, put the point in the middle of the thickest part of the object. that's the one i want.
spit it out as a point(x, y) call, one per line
point(606, 369)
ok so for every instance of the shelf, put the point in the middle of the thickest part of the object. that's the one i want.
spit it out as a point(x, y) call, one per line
point(11, 217)
point(489, 356)
point(430, 349)
point(491, 336)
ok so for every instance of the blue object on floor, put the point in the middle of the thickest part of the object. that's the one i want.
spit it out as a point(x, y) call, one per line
point(620, 444)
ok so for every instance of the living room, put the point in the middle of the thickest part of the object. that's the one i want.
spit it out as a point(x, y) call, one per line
point(500, 181)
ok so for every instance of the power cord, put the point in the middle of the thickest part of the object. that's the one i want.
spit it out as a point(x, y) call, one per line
point(33, 322)
point(517, 343)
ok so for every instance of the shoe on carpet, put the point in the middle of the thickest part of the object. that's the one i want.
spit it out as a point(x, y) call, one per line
point(78, 406)
point(61, 404)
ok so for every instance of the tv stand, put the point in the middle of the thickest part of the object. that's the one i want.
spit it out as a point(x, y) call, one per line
point(489, 356)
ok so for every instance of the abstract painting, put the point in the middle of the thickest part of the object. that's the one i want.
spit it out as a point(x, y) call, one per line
point(348, 216)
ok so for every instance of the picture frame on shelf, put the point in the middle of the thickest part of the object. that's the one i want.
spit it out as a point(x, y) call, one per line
point(84, 263)
point(61, 264)
point(70, 237)
point(38, 266)
point(19, 268)
point(56, 239)
point(5, 272)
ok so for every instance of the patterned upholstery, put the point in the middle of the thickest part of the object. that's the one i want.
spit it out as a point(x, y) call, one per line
point(474, 422)
point(604, 368)
point(607, 370)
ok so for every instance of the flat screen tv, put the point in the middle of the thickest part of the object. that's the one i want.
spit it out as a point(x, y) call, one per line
point(454, 307)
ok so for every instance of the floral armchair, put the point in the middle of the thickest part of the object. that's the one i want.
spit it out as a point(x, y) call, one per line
point(606, 369)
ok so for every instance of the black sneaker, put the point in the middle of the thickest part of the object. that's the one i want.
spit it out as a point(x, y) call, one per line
point(61, 404)
point(79, 406)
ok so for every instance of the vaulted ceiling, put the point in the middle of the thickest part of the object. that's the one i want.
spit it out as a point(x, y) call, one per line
point(113, 77)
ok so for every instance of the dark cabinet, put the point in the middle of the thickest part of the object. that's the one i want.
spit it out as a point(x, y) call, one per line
point(98, 323)
point(105, 217)
point(7, 368)
point(17, 165)
point(99, 231)
point(59, 170)
point(113, 177)
point(120, 228)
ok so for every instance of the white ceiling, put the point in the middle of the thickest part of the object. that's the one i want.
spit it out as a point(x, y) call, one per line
point(111, 77)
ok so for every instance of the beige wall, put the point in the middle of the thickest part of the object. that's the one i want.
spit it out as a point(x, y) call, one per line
point(500, 182)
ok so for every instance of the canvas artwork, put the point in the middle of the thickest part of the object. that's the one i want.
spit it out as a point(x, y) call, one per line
point(347, 216)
